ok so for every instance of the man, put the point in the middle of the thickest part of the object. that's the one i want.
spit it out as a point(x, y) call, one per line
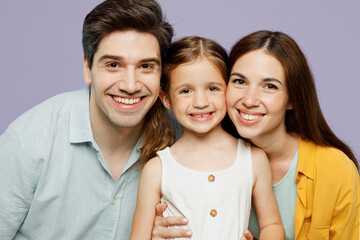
point(69, 167)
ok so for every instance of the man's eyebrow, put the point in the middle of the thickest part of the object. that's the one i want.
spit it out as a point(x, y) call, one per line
point(238, 75)
point(155, 60)
point(119, 58)
point(112, 57)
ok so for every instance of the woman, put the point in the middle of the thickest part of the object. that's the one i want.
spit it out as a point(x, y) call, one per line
point(272, 101)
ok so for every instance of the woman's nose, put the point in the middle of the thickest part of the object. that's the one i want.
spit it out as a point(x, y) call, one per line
point(251, 97)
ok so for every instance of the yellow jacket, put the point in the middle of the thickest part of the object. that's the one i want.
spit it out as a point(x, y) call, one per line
point(328, 202)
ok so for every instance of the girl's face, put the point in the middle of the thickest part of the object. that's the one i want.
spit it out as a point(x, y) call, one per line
point(256, 96)
point(197, 95)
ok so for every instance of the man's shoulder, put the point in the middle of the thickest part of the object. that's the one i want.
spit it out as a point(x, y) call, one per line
point(46, 113)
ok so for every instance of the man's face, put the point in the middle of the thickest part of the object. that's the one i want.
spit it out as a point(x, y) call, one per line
point(125, 78)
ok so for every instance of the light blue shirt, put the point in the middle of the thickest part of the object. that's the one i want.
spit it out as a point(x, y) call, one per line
point(54, 181)
point(286, 195)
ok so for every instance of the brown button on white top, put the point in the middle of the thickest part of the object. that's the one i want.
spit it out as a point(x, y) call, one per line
point(213, 213)
point(211, 178)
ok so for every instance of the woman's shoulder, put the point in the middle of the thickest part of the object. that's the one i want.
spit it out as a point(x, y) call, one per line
point(326, 159)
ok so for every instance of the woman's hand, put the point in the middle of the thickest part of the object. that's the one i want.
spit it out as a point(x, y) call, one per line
point(247, 235)
point(161, 224)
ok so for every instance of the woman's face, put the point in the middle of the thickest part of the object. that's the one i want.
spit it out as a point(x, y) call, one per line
point(256, 96)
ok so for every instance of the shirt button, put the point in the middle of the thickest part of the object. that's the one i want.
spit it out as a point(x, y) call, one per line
point(211, 178)
point(213, 213)
point(113, 201)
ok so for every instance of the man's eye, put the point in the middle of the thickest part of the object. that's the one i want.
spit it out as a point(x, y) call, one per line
point(146, 65)
point(213, 89)
point(112, 65)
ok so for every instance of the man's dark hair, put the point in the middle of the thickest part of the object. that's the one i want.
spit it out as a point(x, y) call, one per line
point(121, 15)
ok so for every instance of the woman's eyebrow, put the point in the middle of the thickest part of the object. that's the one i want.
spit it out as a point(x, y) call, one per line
point(272, 80)
point(238, 75)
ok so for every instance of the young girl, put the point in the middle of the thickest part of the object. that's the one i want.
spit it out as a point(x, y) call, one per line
point(208, 176)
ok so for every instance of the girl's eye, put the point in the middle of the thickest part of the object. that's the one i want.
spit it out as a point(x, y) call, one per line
point(185, 91)
point(271, 86)
point(213, 89)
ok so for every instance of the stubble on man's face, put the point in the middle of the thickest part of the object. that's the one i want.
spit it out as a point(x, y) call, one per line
point(125, 79)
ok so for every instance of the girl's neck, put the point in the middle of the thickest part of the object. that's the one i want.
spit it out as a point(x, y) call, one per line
point(211, 151)
point(204, 139)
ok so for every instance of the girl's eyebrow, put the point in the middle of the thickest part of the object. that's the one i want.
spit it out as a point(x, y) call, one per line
point(184, 85)
point(215, 83)
point(238, 75)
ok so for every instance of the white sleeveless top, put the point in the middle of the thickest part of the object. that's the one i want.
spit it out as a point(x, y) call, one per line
point(217, 204)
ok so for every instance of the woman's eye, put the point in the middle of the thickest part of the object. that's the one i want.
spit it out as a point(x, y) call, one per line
point(271, 86)
point(213, 89)
point(238, 81)
point(146, 66)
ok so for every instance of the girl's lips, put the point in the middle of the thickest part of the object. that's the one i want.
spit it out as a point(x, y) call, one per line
point(201, 116)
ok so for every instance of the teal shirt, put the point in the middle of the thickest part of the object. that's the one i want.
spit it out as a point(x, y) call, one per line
point(54, 181)
point(286, 195)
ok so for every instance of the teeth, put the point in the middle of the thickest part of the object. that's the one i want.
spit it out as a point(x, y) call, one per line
point(250, 117)
point(201, 115)
point(128, 101)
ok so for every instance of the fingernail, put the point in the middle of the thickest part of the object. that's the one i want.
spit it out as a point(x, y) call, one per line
point(189, 233)
point(184, 220)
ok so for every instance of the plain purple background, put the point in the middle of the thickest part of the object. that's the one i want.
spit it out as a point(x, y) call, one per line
point(41, 53)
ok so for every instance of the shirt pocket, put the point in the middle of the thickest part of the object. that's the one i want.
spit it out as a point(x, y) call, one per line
point(318, 233)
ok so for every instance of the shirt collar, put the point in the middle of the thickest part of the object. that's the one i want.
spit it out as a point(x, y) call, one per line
point(135, 155)
point(307, 156)
point(80, 126)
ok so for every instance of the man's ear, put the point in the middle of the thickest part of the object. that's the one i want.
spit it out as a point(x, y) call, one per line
point(164, 97)
point(87, 73)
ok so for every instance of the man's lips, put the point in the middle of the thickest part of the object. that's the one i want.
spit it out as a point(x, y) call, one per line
point(127, 101)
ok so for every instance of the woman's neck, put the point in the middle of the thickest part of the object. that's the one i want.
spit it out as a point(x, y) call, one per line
point(279, 147)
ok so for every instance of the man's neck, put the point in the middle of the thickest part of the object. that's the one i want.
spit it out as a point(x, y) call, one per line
point(115, 143)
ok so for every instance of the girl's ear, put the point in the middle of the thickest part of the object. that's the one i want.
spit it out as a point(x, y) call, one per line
point(165, 99)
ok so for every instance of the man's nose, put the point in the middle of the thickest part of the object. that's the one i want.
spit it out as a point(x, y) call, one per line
point(129, 82)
